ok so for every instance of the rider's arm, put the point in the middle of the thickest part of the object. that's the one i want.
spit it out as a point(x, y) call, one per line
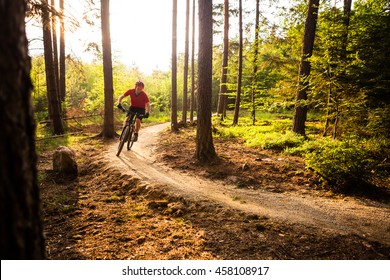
point(148, 107)
point(120, 98)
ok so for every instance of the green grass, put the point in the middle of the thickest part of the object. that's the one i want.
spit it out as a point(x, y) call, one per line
point(50, 144)
point(271, 131)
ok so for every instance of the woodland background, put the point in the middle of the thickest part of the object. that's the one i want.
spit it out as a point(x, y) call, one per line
point(314, 83)
point(264, 66)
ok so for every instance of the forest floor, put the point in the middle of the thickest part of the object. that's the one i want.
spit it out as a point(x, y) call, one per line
point(156, 202)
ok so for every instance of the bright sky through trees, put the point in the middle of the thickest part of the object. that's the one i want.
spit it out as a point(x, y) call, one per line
point(141, 31)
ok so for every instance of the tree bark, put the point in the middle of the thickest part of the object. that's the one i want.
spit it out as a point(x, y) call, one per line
point(204, 141)
point(185, 78)
point(21, 231)
point(300, 111)
point(256, 54)
point(239, 78)
point(55, 49)
point(174, 126)
point(62, 79)
point(225, 60)
point(346, 19)
point(52, 90)
point(192, 100)
point(108, 128)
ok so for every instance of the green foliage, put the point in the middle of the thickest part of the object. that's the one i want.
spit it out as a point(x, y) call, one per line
point(343, 165)
point(45, 142)
point(370, 48)
point(279, 141)
point(346, 165)
point(94, 101)
point(270, 132)
point(38, 78)
point(77, 83)
point(350, 69)
point(379, 121)
point(157, 117)
point(85, 87)
point(159, 90)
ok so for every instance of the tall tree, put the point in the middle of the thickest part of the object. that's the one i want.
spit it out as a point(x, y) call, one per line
point(21, 231)
point(204, 141)
point(108, 128)
point(52, 89)
point(174, 126)
point(338, 55)
point(255, 57)
point(239, 78)
point(300, 111)
point(192, 99)
point(62, 80)
point(55, 47)
point(346, 19)
point(185, 78)
point(222, 102)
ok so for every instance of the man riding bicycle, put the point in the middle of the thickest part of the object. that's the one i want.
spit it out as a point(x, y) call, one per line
point(139, 103)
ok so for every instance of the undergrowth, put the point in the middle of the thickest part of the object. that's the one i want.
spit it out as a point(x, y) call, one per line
point(346, 165)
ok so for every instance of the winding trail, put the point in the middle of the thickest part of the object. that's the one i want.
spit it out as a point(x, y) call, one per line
point(364, 218)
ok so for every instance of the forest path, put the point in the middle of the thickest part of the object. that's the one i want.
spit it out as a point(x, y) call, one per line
point(366, 218)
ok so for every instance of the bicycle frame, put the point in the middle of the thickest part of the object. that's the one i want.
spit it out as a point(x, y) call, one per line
point(127, 132)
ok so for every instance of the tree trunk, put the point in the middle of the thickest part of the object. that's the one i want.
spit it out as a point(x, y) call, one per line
point(225, 60)
point(343, 58)
point(108, 128)
point(239, 79)
point(185, 78)
point(21, 231)
point(346, 18)
point(204, 141)
point(55, 50)
point(192, 100)
point(174, 126)
point(254, 80)
point(329, 99)
point(300, 111)
point(54, 103)
point(62, 79)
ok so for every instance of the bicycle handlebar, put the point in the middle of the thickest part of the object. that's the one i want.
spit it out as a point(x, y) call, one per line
point(120, 106)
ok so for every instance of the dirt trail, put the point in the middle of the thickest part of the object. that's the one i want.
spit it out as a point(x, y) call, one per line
point(364, 218)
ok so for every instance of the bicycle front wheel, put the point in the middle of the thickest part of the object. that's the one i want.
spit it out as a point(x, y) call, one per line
point(124, 137)
point(130, 142)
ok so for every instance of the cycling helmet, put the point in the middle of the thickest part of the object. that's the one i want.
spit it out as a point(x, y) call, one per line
point(139, 84)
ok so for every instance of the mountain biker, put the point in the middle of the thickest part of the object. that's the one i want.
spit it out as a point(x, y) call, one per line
point(139, 103)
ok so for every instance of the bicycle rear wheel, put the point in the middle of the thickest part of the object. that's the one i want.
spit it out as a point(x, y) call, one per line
point(124, 137)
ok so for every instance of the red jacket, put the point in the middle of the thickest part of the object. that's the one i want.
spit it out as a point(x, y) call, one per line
point(137, 100)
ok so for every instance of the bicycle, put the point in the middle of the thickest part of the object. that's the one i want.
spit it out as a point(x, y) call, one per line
point(128, 130)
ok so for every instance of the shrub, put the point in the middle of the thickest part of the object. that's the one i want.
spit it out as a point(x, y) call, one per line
point(307, 146)
point(345, 165)
point(281, 141)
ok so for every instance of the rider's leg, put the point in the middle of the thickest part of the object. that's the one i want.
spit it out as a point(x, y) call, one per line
point(137, 125)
